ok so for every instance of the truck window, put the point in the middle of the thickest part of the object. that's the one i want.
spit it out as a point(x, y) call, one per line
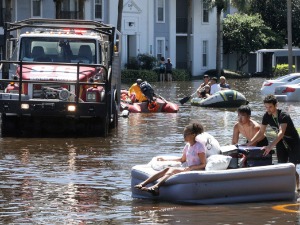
point(57, 49)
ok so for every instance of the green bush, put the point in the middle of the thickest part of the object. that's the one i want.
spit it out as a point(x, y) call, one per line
point(281, 70)
point(147, 62)
point(181, 75)
point(132, 64)
point(130, 76)
point(142, 61)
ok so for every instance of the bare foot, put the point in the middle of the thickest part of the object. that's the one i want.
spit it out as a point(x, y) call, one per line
point(154, 190)
point(139, 186)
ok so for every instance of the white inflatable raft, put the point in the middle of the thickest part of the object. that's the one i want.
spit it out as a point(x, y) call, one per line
point(253, 184)
point(225, 98)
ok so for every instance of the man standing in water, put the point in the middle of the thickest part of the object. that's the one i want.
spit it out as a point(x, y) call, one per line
point(287, 139)
point(247, 127)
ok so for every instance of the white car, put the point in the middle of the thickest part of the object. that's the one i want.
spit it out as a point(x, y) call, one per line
point(268, 87)
point(288, 93)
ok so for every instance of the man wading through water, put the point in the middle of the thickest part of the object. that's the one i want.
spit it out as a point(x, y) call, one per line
point(287, 139)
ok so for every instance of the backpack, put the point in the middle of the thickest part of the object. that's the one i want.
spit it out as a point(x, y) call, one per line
point(162, 67)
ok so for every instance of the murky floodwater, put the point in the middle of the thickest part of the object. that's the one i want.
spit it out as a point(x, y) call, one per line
point(87, 181)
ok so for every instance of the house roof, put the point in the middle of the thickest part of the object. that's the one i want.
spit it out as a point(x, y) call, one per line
point(280, 52)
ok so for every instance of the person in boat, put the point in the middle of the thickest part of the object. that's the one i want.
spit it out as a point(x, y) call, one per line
point(223, 84)
point(214, 86)
point(202, 85)
point(287, 140)
point(135, 92)
point(247, 127)
point(205, 92)
point(193, 155)
point(148, 91)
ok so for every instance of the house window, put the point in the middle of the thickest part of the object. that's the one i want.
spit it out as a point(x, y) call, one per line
point(204, 53)
point(36, 8)
point(205, 12)
point(160, 11)
point(160, 48)
point(98, 9)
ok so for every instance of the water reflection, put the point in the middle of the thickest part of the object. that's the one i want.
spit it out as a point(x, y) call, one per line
point(87, 180)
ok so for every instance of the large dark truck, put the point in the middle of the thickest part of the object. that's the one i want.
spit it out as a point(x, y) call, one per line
point(60, 77)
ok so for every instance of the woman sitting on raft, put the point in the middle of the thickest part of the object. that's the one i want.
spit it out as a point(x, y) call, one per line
point(193, 155)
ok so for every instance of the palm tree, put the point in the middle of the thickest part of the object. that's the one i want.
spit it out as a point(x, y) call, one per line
point(189, 32)
point(221, 5)
point(120, 11)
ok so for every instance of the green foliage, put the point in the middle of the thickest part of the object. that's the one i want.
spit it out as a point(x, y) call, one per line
point(244, 33)
point(130, 76)
point(147, 62)
point(142, 61)
point(132, 64)
point(281, 70)
point(274, 14)
point(181, 75)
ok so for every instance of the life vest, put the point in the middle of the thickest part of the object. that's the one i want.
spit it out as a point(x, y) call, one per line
point(153, 106)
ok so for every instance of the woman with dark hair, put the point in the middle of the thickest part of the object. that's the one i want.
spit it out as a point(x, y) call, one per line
point(193, 155)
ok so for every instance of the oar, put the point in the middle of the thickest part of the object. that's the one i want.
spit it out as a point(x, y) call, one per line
point(161, 97)
point(187, 98)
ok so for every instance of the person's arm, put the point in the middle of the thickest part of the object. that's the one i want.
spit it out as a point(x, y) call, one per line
point(280, 134)
point(181, 159)
point(202, 164)
point(258, 136)
point(235, 136)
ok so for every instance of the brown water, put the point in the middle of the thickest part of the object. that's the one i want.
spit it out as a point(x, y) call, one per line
point(87, 181)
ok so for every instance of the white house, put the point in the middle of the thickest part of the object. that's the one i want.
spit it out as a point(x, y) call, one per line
point(154, 27)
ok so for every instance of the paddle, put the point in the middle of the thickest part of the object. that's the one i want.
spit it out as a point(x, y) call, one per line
point(187, 98)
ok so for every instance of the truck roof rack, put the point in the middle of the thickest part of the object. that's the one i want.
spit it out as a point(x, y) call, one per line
point(95, 26)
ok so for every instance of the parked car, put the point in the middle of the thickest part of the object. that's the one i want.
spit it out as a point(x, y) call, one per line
point(268, 87)
point(288, 92)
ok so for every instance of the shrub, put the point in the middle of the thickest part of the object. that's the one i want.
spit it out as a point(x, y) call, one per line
point(132, 64)
point(281, 70)
point(147, 62)
point(142, 61)
point(130, 76)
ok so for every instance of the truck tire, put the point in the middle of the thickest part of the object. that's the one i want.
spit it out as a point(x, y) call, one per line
point(9, 126)
point(114, 119)
point(104, 126)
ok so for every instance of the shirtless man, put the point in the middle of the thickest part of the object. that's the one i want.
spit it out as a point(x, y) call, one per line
point(247, 127)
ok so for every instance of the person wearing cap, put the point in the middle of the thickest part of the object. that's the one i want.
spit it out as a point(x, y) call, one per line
point(223, 84)
point(135, 92)
point(214, 86)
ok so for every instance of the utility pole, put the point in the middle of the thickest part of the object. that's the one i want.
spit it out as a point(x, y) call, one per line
point(289, 29)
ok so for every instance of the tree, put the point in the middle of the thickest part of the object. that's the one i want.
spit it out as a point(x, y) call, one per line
point(274, 14)
point(220, 5)
point(189, 32)
point(120, 13)
point(247, 33)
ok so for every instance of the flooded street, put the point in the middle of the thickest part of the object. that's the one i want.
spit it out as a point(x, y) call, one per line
point(87, 180)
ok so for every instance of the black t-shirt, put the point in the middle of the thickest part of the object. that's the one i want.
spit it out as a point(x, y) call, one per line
point(291, 135)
